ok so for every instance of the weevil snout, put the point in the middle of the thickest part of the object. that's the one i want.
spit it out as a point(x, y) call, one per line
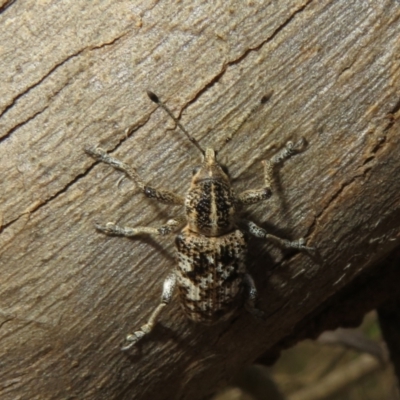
point(209, 157)
point(209, 169)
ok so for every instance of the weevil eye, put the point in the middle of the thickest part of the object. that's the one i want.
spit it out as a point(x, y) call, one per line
point(195, 170)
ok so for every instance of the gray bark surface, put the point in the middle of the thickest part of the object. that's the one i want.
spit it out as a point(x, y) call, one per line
point(75, 73)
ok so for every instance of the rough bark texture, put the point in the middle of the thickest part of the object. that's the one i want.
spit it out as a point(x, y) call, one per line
point(74, 73)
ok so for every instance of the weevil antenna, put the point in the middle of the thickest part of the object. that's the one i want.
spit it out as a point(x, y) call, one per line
point(153, 97)
point(244, 119)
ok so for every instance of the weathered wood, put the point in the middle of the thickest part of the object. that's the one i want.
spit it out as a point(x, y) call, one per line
point(74, 73)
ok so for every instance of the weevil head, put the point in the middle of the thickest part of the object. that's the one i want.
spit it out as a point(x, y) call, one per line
point(210, 202)
point(209, 169)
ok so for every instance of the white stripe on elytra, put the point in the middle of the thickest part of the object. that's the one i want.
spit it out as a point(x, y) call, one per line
point(213, 216)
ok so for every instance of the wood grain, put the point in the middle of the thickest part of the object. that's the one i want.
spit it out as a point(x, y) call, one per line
point(74, 73)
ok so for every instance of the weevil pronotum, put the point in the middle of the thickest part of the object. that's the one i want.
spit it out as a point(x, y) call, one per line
point(211, 274)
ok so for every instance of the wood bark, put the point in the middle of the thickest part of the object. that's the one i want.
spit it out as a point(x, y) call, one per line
point(74, 73)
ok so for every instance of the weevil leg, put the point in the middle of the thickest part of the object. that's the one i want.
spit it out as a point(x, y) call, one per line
point(168, 291)
point(255, 195)
point(259, 232)
point(171, 226)
point(251, 297)
point(161, 195)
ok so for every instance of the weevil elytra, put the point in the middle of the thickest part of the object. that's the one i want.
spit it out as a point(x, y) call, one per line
point(211, 274)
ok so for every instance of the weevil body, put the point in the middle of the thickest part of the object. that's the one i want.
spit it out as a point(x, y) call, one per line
point(211, 274)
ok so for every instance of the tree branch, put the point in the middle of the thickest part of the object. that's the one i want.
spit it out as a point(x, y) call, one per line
point(75, 74)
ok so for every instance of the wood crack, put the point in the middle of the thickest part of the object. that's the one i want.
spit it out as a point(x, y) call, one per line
point(14, 128)
point(54, 68)
point(6, 5)
point(226, 65)
point(38, 204)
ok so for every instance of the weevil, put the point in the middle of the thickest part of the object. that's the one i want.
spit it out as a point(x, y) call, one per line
point(211, 273)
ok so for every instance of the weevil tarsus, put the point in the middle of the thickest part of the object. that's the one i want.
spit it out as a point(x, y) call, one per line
point(252, 297)
point(161, 195)
point(255, 195)
point(167, 293)
point(259, 232)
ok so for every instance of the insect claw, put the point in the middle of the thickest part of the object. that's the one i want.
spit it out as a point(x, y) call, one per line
point(311, 250)
point(109, 228)
point(301, 243)
point(132, 339)
point(300, 145)
point(129, 345)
